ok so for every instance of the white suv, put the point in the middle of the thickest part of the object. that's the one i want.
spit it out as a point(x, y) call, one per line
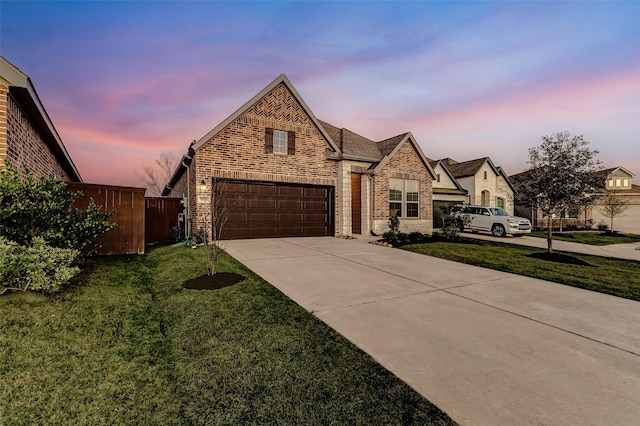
point(491, 219)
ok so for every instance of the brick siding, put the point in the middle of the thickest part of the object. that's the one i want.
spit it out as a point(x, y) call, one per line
point(22, 144)
point(405, 164)
point(238, 151)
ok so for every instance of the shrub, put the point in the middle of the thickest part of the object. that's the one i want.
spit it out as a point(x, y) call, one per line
point(602, 226)
point(394, 224)
point(32, 208)
point(390, 237)
point(402, 237)
point(39, 267)
point(415, 237)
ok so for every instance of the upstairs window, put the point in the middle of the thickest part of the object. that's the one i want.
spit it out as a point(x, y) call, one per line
point(279, 141)
point(404, 198)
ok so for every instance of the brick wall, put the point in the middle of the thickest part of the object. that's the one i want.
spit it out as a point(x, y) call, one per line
point(23, 144)
point(238, 151)
point(405, 164)
point(3, 125)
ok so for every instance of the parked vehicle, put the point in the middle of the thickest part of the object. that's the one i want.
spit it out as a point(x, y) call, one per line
point(491, 219)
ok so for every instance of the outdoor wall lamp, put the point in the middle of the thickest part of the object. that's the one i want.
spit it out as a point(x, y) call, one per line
point(203, 186)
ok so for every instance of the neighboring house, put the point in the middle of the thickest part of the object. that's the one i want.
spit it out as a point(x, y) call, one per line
point(486, 184)
point(619, 181)
point(447, 192)
point(286, 173)
point(27, 135)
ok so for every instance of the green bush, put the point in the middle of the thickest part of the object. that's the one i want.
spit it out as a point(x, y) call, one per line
point(390, 237)
point(31, 207)
point(415, 237)
point(39, 267)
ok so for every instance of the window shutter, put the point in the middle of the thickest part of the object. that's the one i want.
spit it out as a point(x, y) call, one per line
point(291, 143)
point(268, 140)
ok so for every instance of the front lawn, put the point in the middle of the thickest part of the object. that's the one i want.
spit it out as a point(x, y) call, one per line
point(592, 238)
point(605, 275)
point(130, 346)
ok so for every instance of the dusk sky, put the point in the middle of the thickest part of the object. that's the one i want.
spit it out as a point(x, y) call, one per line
point(123, 81)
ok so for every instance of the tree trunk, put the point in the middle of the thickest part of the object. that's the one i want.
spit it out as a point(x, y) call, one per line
point(549, 233)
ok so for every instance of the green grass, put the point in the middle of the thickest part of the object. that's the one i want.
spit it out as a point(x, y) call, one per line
point(130, 346)
point(591, 238)
point(605, 275)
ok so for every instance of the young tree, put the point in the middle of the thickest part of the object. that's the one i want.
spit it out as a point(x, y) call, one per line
point(166, 162)
point(612, 205)
point(219, 215)
point(562, 173)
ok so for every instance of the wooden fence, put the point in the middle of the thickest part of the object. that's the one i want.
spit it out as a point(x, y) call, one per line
point(129, 206)
point(161, 216)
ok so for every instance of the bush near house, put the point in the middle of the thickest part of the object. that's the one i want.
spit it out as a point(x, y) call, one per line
point(42, 236)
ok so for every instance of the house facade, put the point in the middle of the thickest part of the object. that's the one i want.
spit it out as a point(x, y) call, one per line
point(28, 137)
point(617, 180)
point(447, 192)
point(283, 172)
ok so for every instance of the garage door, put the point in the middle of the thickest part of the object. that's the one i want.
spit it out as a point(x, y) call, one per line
point(261, 210)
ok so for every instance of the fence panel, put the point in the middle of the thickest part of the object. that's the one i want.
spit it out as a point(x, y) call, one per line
point(161, 215)
point(128, 204)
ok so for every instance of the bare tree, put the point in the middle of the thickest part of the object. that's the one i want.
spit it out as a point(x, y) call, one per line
point(166, 163)
point(219, 216)
point(562, 173)
point(612, 205)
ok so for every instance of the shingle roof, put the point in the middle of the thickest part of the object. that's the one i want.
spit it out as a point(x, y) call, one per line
point(351, 143)
point(466, 168)
point(388, 145)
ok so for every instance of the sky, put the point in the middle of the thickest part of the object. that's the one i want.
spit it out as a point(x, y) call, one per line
point(123, 81)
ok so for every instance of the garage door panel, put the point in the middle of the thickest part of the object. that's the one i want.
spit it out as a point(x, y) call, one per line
point(262, 203)
point(257, 210)
point(291, 190)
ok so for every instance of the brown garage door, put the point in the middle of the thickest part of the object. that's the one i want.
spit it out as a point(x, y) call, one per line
point(261, 210)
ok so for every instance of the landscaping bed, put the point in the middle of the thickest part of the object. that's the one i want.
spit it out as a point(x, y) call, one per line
point(127, 344)
point(591, 237)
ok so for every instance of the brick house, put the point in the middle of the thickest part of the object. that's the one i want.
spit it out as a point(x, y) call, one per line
point(286, 173)
point(27, 135)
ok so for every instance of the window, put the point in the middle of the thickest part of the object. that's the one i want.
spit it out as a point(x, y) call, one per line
point(625, 182)
point(610, 183)
point(485, 175)
point(500, 202)
point(438, 177)
point(404, 198)
point(279, 142)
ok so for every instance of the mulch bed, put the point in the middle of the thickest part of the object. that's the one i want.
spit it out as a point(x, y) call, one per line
point(559, 258)
point(213, 282)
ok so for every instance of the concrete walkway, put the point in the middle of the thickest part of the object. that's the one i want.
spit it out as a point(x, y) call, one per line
point(487, 347)
point(621, 251)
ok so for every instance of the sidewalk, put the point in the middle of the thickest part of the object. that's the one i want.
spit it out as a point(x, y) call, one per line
point(620, 251)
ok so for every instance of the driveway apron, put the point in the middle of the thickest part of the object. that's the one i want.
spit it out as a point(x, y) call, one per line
point(487, 347)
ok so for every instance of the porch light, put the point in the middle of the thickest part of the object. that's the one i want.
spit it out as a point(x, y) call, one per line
point(203, 186)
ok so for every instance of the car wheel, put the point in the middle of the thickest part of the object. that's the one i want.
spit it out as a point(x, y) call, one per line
point(498, 230)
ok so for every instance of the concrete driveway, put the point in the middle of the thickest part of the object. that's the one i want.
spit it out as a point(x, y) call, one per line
point(487, 347)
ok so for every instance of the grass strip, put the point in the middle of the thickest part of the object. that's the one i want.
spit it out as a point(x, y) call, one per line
point(604, 275)
point(131, 346)
point(591, 238)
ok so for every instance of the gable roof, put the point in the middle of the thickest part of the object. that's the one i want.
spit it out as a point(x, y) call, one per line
point(281, 79)
point(468, 168)
point(387, 145)
point(441, 163)
point(24, 92)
